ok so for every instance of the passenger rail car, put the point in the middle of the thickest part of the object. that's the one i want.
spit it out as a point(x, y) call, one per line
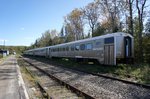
point(108, 49)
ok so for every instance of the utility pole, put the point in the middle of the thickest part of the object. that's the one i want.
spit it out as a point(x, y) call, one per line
point(4, 45)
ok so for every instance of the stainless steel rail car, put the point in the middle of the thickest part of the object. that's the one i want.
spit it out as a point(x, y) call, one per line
point(108, 49)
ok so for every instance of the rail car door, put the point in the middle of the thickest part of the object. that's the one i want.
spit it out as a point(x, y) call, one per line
point(127, 45)
point(109, 51)
point(49, 54)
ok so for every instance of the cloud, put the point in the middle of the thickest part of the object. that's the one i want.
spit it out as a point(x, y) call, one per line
point(22, 28)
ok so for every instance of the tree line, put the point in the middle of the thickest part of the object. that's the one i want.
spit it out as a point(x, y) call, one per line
point(12, 49)
point(102, 17)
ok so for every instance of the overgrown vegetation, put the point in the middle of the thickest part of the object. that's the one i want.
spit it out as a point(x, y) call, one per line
point(1, 56)
point(139, 72)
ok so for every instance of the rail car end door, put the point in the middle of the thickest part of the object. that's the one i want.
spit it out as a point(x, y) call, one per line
point(128, 50)
point(109, 51)
point(47, 52)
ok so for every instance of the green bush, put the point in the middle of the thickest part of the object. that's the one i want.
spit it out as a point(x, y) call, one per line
point(1, 56)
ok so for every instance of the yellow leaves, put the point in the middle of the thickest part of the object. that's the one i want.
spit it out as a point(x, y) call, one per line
point(76, 13)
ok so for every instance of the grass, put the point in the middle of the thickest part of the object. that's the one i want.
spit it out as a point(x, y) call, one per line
point(141, 73)
point(29, 79)
point(21, 63)
point(3, 58)
point(138, 73)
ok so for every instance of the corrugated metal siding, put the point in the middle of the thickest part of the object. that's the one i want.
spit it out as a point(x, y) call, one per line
point(109, 54)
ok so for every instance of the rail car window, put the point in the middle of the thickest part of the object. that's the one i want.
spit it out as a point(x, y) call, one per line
point(77, 48)
point(82, 46)
point(72, 48)
point(67, 48)
point(89, 46)
point(97, 43)
point(109, 40)
point(60, 49)
point(64, 49)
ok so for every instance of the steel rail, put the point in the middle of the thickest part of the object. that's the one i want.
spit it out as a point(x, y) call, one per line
point(44, 92)
point(109, 77)
point(70, 87)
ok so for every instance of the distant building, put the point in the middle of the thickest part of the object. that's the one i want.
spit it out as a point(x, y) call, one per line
point(4, 52)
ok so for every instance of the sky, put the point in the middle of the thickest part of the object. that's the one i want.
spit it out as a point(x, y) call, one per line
point(23, 21)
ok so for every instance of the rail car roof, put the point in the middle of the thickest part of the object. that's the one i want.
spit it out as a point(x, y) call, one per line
point(36, 49)
point(95, 38)
point(88, 39)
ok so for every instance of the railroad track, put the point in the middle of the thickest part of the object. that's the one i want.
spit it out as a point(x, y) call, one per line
point(43, 91)
point(113, 78)
point(109, 77)
point(55, 84)
point(100, 86)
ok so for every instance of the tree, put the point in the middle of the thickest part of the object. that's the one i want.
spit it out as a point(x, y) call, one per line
point(147, 26)
point(111, 11)
point(69, 33)
point(62, 35)
point(140, 8)
point(92, 14)
point(146, 48)
point(36, 44)
point(62, 32)
point(74, 22)
point(99, 30)
point(130, 4)
point(46, 39)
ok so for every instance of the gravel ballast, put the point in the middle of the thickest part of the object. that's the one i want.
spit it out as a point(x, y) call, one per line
point(99, 87)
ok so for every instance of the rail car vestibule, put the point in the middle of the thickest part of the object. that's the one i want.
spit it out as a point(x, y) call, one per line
point(127, 46)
